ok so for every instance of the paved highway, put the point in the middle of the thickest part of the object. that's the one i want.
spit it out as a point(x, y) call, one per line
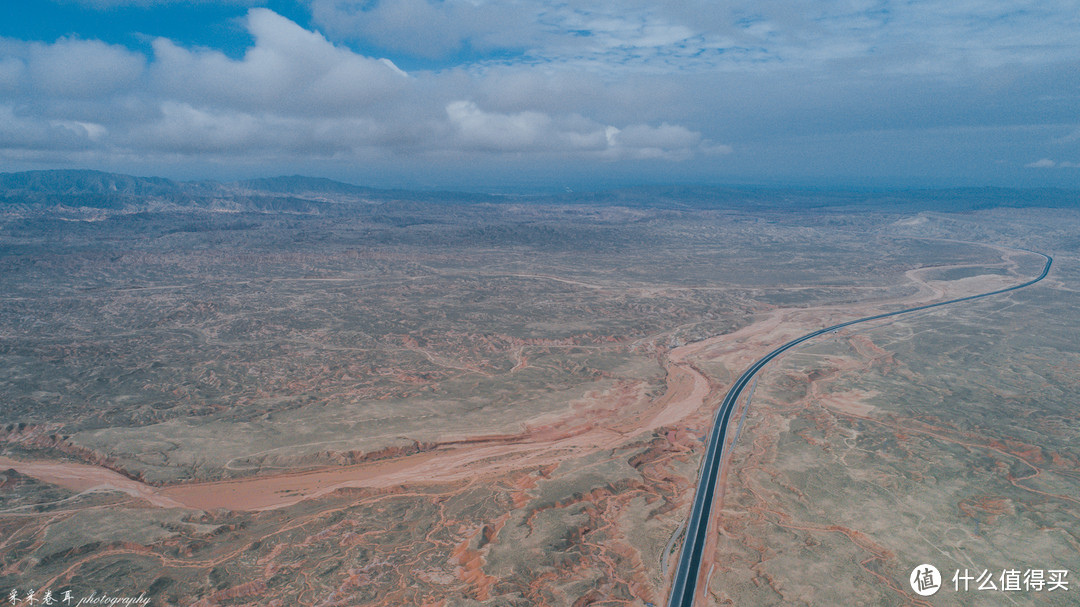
point(684, 584)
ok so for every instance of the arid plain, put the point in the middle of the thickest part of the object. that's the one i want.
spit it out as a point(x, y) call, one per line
point(399, 402)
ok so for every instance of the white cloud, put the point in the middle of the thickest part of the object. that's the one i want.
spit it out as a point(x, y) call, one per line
point(72, 68)
point(540, 82)
point(183, 128)
point(922, 36)
point(187, 130)
point(645, 142)
point(289, 70)
point(1071, 137)
point(26, 134)
point(505, 132)
point(538, 132)
point(11, 72)
point(296, 94)
point(1047, 163)
point(427, 29)
point(90, 130)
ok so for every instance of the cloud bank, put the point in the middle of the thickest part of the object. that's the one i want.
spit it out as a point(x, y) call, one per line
point(686, 90)
point(1046, 163)
point(292, 93)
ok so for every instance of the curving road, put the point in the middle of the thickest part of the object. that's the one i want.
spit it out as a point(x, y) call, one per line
point(684, 584)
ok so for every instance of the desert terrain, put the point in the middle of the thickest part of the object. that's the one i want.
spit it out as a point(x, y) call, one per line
point(503, 403)
point(945, 436)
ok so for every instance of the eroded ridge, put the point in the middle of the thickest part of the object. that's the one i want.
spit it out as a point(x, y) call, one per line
point(432, 425)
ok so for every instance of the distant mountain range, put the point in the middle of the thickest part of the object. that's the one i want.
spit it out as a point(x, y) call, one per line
point(112, 191)
point(298, 194)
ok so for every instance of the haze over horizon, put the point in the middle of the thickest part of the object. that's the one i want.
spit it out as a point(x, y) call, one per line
point(481, 95)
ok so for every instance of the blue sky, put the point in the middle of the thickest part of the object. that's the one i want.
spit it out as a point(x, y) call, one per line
point(542, 94)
